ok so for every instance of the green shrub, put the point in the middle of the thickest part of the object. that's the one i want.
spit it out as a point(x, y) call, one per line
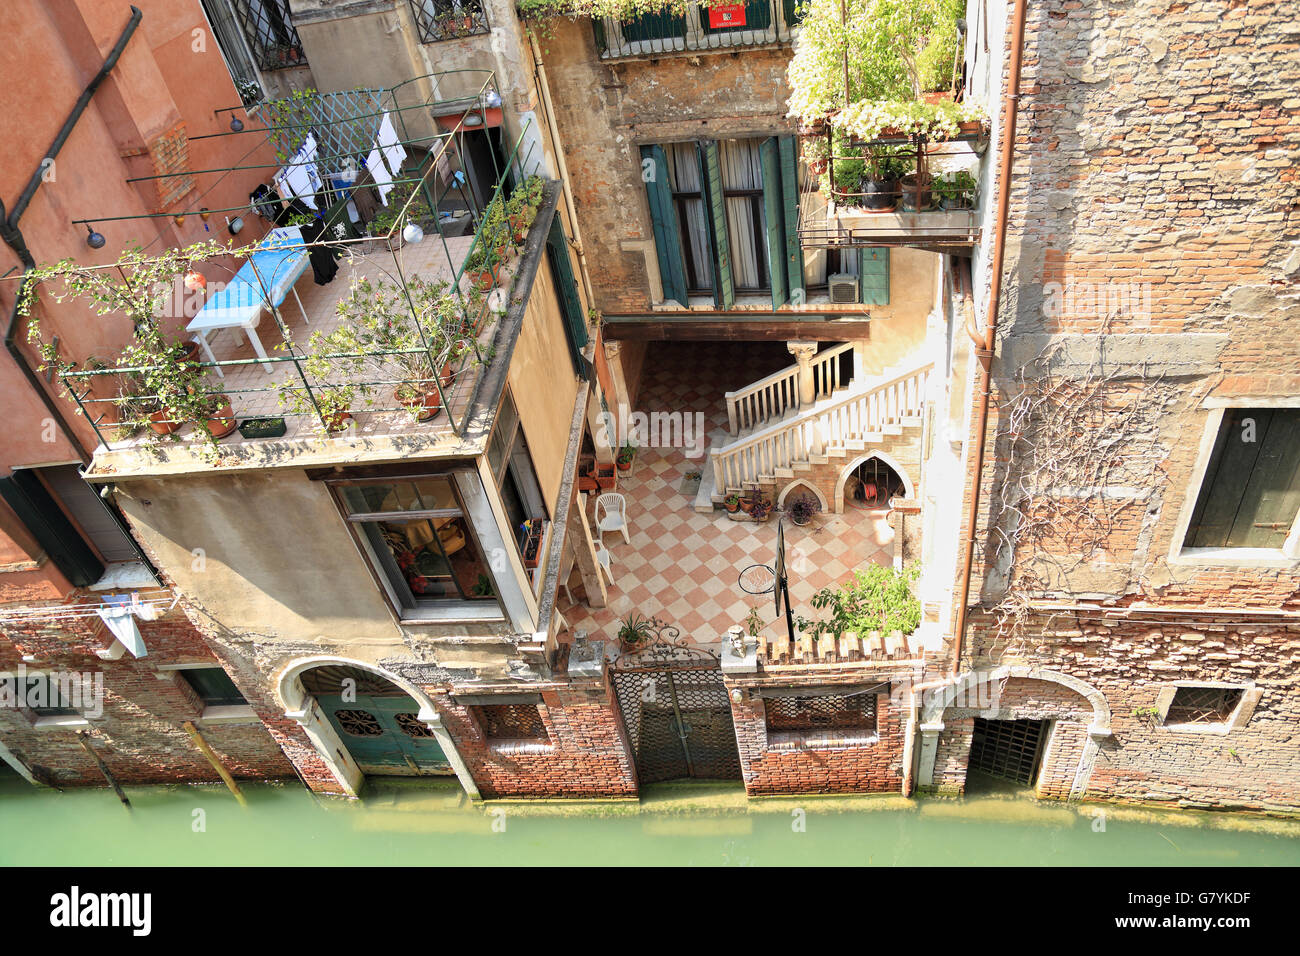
point(878, 599)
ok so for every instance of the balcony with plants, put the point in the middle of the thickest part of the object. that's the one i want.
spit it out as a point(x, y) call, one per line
point(390, 349)
point(890, 148)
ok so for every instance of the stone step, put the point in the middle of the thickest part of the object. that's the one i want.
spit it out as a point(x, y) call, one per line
point(704, 498)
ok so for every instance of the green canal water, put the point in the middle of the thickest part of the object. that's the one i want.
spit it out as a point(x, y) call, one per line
point(677, 825)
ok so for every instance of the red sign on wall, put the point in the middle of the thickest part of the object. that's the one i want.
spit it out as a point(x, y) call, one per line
point(726, 15)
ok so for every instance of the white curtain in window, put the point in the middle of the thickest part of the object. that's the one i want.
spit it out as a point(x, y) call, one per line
point(684, 177)
point(742, 168)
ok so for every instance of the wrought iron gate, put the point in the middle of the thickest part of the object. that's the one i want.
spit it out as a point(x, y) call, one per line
point(675, 709)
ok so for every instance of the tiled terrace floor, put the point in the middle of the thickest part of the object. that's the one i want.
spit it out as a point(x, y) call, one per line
point(683, 567)
point(252, 387)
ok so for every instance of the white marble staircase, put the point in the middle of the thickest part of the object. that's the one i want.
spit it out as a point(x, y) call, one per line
point(845, 421)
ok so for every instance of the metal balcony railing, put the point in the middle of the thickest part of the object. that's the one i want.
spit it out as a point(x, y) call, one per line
point(752, 24)
point(448, 19)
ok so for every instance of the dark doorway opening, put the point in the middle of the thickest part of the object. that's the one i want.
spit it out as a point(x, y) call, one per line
point(1007, 750)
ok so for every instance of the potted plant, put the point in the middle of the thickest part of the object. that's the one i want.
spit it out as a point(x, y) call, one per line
point(380, 340)
point(802, 509)
point(884, 167)
point(634, 631)
point(956, 191)
point(731, 503)
point(625, 456)
point(915, 192)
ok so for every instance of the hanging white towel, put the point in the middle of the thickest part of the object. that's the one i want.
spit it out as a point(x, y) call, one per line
point(121, 621)
point(300, 179)
point(394, 152)
point(379, 173)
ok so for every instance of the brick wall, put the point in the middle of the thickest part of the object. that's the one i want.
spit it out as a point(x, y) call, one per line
point(587, 755)
point(1157, 146)
point(139, 735)
point(875, 767)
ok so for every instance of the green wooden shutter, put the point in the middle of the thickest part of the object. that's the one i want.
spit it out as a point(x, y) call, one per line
point(774, 220)
point(873, 276)
point(575, 326)
point(1251, 490)
point(663, 218)
point(42, 516)
point(724, 287)
point(790, 195)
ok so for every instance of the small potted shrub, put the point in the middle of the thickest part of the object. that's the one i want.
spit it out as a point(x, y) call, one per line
point(802, 509)
point(731, 503)
point(625, 456)
point(956, 191)
point(885, 167)
point(634, 632)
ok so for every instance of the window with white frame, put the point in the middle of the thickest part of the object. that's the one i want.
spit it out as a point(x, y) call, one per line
point(1249, 496)
point(420, 542)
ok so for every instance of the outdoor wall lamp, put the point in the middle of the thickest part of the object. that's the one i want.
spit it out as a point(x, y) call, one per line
point(94, 239)
point(236, 124)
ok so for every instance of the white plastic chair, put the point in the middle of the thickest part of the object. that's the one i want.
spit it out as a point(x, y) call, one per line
point(603, 559)
point(611, 514)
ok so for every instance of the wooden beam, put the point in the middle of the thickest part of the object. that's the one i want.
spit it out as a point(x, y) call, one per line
point(749, 330)
point(213, 759)
point(84, 739)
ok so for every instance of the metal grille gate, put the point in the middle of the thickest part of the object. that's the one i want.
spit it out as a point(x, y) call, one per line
point(676, 711)
point(1009, 749)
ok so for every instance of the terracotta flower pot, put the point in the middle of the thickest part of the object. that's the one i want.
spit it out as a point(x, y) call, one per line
point(426, 405)
point(223, 422)
point(164, 423)
point(731, 506)
point(624, 465)
point(337, 422)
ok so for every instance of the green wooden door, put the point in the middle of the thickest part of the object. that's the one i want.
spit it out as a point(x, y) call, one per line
point(384, 735)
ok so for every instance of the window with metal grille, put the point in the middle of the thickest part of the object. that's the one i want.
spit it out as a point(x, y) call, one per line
point(1203, 705)
point(448, 19)
point(511, 722)
point(269, 28)
point(833, 712)
point(1250, 495)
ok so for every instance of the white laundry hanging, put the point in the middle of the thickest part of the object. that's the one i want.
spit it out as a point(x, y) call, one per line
point(119, 614)
point(379, 173)
point(394, 151)
point(300, 179)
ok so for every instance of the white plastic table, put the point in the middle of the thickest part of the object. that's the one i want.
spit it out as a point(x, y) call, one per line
point(262, 282)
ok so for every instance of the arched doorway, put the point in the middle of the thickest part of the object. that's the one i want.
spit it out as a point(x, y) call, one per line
point(378, 722)
point(986, 715)
point(366, 722)
point(869, 483)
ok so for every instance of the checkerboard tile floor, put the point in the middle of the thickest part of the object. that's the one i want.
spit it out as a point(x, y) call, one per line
point(684, 567)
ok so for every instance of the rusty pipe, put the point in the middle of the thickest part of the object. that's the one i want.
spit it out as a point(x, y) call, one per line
point(1011, 102)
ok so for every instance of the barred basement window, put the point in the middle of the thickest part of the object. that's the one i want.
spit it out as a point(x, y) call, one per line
point(832, 712)
point(269, 28)
point(1203, 705)
point(511, 722)
point(448, 19)
point(46, 698)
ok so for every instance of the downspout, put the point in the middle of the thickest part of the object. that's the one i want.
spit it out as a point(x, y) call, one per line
point(13, 236)
point(544, 87)
point(985, 345)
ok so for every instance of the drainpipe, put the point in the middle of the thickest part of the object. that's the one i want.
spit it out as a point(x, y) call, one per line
point(985, 345)
point(544, 87)
point(13, 236)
